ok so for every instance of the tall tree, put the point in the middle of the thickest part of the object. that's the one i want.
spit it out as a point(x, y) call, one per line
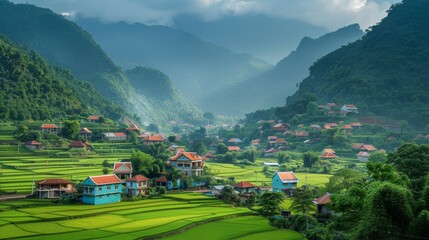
point(303, 201)
point(270, 203)
point(70, 129)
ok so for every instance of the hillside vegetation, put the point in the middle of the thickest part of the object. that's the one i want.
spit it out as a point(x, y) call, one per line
point(31, 89)
point(272, 87)
point(386, 72)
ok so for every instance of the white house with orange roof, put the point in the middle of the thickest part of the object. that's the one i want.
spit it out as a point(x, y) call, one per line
point(123, 170)
point(50, 128)
point(349, 108)
point(102, 189)
point(363, 156)
point(189, 162)
point(284, 182)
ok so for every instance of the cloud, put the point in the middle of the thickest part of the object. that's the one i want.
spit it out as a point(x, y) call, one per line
point(331, 14)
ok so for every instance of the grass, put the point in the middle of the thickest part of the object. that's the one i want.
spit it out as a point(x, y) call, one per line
point(248, 227)
point(124, 220)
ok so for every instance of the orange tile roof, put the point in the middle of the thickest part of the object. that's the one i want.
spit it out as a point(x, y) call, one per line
point(51, 181)
point(234, 148)
point(119, 134)
point(280, 140)
point(105, 179)
point(356, 124)
point(49, 126)
point(328, 150)
point(93, 117)
point(363, 154)
point(350, 106)
point(192, 156)
point(244, 184)
point(347, 127)
point(138, 178)
point(322, 200)
point(122, 167)
point(77, 144)
point(287, 176)
point(85, 130)
point(133, 127)
point(328, 155)
point(154, 138)
point(161, 179)
point(33, 143)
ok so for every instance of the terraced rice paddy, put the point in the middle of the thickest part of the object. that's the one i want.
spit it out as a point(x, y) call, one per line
point(39, 219)
point(255, 174)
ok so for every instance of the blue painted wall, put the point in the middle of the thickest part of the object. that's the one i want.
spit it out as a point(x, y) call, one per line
point(278, 185)
point(101, 194)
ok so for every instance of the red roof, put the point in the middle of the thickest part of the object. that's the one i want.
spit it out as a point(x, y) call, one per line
point(328, 155)
point(192, 156)
point(85, 130)
point(280, 140)
point(363, 154)
point(301, 133)
point(93, 117)
point(138, 178)
point(287, 176)
point(347, 127)
point(154, 138)
point(105, 179)
point(119, 134)
point(234, 148)
point(244, 184)
point(78, 144)
point(122, 167)
point(322, 200)
point(161, 179)
point(271, 150)
point(133, 127)
point(53, 181)
point(49, 126)
point(33, 143)
point(365, 147)
point(350, 106)
point(356, 124)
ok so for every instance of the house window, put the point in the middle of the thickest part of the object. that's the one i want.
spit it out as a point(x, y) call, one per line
point(116, 186)
point(108, 195)
point(100, 188)
point(109, 187)
point(99, 197)
point(91, 190)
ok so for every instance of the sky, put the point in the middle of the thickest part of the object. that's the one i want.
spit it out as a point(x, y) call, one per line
point(331, 14)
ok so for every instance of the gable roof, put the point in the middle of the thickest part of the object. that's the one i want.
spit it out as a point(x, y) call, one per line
point(154, 138)
point(244, 184)
point(49, 126)
point(234, 148)
point(349, 106)
point(93, 117)
point(287, 176)
point(192, 156)
point(324, 199)
point(85, 130)
point(363, 154)
point(328, 150)
point(235, 140)
point(133, 127)
point(33, 143)
point(122, 167)
point(347, 126)
point(52, 181)
point(138, 178)
point(328, 155)
point(280, 140)
point(105, 179)
point(161, 179)
point(365, 147)
point(78, 144)
point(301, 133)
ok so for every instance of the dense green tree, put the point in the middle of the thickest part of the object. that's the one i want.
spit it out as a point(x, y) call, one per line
point(303, 201)
point(420, 226)
point(378, 157)
point(70, 129)
point(142, 162)
point(270, 203)
point(229, 195)
point(152, 128)
point(310, 159)
point(282, 157)
point(221, 148)
point(199, 147)
point(344, 179)
point(378, 171)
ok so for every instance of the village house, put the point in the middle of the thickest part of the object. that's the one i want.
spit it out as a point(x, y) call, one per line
point(315, 126)
point(33, 145)
point(85, 134)
point(53, 188)
point(347, 127)
point(50, 128)
point(79, 145)
point(330, 125)
point(244, 187)
point(93, 118)
point(280, 142)
point(356, 125)
point(328, 155)
point(349, 108)
point(364, 147)
point(234, 148)
point(152, 139)
point(161, 182)
point(284, 182)
point(137, 185)
point(301, 134)
point(134, 128)
point(270, 152)
point(102, 189)
point(363, 156)
point(115, 136)
point(123, 170)
point(188, 162)
point(280, 127)
point(234, 141)
point(321, 204)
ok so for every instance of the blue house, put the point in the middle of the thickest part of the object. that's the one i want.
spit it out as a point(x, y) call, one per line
point(284, 182)
point(137, 185)
point(102, 189)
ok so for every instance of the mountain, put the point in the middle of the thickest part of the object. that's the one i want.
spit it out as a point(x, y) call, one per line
point(272, 87)
point(63, 43)
point(265, 37)
point(31, 89)
point(161, 93)
point(195, 66)
point(386, 72)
